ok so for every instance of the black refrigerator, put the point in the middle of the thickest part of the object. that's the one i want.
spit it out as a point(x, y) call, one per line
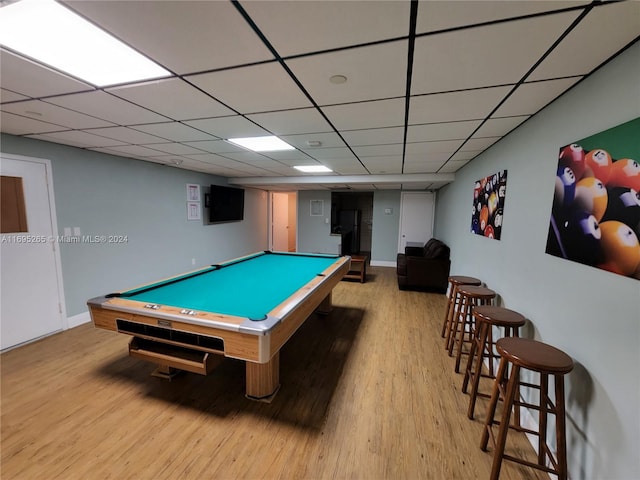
point(349, 223)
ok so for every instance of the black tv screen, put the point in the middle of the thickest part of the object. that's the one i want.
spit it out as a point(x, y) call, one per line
point(226, 204)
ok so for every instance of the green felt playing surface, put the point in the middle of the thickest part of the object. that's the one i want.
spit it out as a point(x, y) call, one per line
point(249, 288)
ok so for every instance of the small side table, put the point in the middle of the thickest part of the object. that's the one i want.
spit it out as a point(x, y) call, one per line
point(358, 269)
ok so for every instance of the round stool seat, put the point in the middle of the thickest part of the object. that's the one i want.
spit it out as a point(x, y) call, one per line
point(462, 280)
point(499, 316)
point(452, 305)
point(473, 291)
point(534, 355)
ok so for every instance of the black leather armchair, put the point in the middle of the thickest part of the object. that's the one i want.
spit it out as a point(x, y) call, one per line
point(424, 268)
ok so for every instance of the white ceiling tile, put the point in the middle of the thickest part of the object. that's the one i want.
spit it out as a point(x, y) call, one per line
point(325, 139)
point(253, 89)
point(46, 112)
point(373, 72)
point(594, 40)
point(478, 143)
point(33, 80)
point(186, 37)
point(439, 15)
point(461, 155)
point(19, 125)
point(135, 150)
point(453, 106)
point(427, 158)
point(211, 158)
point(453, 166)
point(495, 127)
point(531, 97)
point(424, 167)
point(382, 165)
point(215, 146)
point(433, 147)
point(374, 136)
point(289, 156)
point(378, 150)
point(291, 122)
point(357, 116)
point(173, 98)
point(107, 107)
point(441, 131)
point(228, 127)
point(77, 138)
point(126, 135)
point(326, 153)
point(175, 131)
point(345, 166)
point(480, 57)
point(173, 148)
point(9, 96)
point(321, 25)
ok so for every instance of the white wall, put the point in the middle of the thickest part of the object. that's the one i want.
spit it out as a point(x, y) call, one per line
point(591, 314)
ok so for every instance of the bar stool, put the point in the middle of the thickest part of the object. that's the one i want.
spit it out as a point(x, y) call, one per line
point(463, 326)
point(453, 303)
point(482, 347)
point(546, 360)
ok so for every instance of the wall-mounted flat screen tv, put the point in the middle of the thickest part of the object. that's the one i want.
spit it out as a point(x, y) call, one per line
point(226, 204)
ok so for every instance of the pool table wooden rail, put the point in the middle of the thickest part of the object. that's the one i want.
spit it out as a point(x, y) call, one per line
point(256, 342)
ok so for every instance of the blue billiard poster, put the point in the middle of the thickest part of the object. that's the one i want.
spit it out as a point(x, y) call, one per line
point(488, 205)
point(595, 217)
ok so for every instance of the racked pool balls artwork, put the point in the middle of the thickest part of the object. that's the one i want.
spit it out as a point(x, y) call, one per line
point(488, 205)
point(595, 217)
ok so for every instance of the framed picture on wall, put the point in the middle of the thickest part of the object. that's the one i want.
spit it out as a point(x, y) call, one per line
point(595, 217)
point(488, 205)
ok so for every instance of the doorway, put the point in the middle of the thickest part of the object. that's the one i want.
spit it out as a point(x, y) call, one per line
point(283, 223)
point(416, 218)
point(31, 278)
point(352, 217)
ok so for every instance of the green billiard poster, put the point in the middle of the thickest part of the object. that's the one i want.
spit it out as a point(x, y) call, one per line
point(488, 205)
point(595, 216)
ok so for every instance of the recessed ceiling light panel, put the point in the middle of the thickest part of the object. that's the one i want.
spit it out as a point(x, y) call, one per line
point(52, 34)
point(313, 169)
point(261, 144)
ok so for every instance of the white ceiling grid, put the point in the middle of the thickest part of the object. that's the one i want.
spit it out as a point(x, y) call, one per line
point(430, 84)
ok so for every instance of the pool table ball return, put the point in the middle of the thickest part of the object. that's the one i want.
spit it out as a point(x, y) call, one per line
point(246, 308)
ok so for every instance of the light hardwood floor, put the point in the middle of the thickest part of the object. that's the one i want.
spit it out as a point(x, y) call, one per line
point(368, 392)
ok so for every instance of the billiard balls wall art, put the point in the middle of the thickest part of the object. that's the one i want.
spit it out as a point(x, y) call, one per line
point(488, 205)
point(595, 217)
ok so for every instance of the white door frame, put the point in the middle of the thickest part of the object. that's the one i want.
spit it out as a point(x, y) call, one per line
point(54, 228)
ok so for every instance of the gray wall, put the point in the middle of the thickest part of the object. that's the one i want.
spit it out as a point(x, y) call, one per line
point(384, 243)
point(314, 232)
point(591, 314)
point(108, 195)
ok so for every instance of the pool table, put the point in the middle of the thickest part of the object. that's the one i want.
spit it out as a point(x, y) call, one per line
point(246, 308)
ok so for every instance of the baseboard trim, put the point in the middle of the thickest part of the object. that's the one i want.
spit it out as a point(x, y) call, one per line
point(79, 319)
point(382, 263)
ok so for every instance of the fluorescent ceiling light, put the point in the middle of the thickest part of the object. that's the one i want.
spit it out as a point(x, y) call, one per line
point(261, 144)
point(52, 34)
point(313, 168)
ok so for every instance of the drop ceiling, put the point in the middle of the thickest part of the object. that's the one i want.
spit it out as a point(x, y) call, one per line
point(430, 84)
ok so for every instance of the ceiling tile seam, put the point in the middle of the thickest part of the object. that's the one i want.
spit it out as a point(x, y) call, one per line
point(413, 19)
point(564, 34)
point(272, 49)
point(507, 20)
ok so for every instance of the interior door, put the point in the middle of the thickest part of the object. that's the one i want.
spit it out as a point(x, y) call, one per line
point(30, 285)
point(416, 218)
point(280, 222)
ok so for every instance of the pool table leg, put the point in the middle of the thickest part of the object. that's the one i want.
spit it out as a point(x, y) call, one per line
point(263, 379)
